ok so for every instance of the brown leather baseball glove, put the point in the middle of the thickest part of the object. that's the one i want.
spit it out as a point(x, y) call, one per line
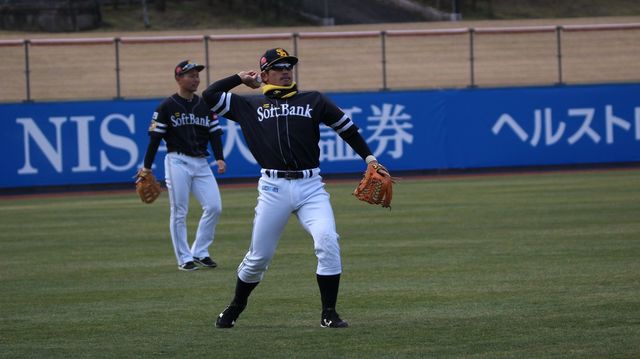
point(147, 187)
point(376, 187)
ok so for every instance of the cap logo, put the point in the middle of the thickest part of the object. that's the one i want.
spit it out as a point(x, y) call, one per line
point(188, 66)
point(281, 52)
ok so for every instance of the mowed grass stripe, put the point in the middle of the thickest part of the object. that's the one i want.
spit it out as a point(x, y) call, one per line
point(539, 266)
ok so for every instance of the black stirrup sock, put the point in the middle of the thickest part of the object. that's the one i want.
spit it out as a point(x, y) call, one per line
point(328, 285)
point(243, 290)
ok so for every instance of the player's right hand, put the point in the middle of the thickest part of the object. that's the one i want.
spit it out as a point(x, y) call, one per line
point(250, 78)
point(222, 166)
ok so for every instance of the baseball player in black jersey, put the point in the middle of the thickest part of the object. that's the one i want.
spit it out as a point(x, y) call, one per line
point(281, 129)
point(187, 125)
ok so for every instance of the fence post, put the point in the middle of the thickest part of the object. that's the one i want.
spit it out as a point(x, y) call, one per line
point(472, 58)
point(206, 56)
point(117, 48)
point(295, 36)
point(383, 44)
point(559, 53)
point(27, 71)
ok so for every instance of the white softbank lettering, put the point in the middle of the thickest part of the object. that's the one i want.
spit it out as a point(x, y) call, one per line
point(284, 110)
point(189, 119)
point(54, 152)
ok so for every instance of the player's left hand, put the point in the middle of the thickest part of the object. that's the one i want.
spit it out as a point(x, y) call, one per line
point(222, 166)
point(376, 187)
point(147, 187)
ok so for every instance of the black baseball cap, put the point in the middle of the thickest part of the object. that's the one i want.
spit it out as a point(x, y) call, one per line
point(186, 66)
point(274, 56)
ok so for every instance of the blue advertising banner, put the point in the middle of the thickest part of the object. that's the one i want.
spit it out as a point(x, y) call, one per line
point(93, 142)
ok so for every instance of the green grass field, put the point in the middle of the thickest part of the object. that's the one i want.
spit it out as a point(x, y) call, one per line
point(515, 266)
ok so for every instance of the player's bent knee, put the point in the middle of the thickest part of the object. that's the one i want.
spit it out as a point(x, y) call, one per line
point(327, 251)
point(214, 210)
point(327, 241)
point(178, 217)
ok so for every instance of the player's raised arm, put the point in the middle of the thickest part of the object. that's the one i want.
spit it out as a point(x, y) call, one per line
point(212, 94)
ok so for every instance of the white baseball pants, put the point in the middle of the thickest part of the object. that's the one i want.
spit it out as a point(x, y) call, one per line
point(185, 175)
point(278, 199)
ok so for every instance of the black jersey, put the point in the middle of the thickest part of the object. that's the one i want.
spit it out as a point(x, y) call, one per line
point(187, 126)
point(283, 133)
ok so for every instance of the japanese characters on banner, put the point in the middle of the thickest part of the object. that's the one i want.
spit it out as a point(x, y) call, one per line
point(90, 142)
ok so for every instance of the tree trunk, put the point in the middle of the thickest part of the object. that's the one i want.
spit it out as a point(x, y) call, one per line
point(145, 15)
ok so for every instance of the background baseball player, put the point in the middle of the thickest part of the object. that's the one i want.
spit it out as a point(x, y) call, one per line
point(187, 125)
point(282, 131)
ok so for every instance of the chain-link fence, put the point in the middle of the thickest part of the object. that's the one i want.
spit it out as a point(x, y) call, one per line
point(141, 67)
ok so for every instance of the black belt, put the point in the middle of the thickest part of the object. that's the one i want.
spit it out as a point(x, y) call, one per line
point(289, 175)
